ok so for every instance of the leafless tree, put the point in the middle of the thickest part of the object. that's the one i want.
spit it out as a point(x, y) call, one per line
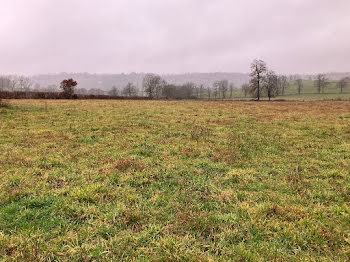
point(300, 85)
point(231, 87)
point(81, 91)
point(321, 83)
point(245, 88)
point(4, 82)
point(130, 90)
point(187, 89)
point(201, 91)
point(270, 85)
point(159, 88)
point(152, 85)
point(169, 91)
point(114, 91)
point(257, 76)
point(196, 91)
point(52, 88)
point(221, 87)
point(24, 83)
point(3, 85)
point(13, 82)
point(95, 91)
point(215, 91)
point(283, 84)
point(343, 84)
point(36, 87)
point(208, 92)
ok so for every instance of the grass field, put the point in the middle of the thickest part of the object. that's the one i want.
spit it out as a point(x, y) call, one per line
point(314, 97)
point(308, 93)
point(174, 181)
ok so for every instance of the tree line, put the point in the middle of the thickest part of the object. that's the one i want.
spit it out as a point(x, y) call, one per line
point(263, 83)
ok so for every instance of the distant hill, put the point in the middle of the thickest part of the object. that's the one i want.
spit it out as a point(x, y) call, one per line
point(107, 81)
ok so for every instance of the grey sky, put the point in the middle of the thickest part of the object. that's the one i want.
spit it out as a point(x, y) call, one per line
point(173, 36)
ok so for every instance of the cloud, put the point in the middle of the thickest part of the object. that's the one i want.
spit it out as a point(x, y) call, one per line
point(40, 36)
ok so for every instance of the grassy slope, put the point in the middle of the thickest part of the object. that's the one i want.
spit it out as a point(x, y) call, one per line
point(190, 180)
point(308, 93)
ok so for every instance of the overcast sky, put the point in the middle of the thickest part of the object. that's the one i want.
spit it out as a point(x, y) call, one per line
point(173, 36)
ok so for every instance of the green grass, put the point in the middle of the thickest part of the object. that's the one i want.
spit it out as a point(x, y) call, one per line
point(309, 87)
point(174, 180)
point(308, 93)
point(314, 97)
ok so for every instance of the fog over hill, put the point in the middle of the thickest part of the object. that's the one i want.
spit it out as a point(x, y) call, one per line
point(107, 81)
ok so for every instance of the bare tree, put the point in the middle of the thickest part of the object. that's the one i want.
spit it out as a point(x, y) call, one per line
point(343, 84)
point(245, 88)
point(201, 91)
point(257, 76)
point(208, 92)
point(221, 87)
point(215, 91)
point(13, 82)
point(52, 88)
point(152, 85)
point(96, 91)
point(4, 82)
point(283, 84)
point(36, 87)
point(81, 91)
point(196, 91)
point(114, 91)
point(270, 85)
point(187, 89)
point(130, 90)
point(24, 83)
point(231, 87)
point(159, 88)
point(169, 91)
point(321, 83)
point(300, 85)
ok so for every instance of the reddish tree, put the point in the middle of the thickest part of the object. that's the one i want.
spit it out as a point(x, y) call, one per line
point(67, 86)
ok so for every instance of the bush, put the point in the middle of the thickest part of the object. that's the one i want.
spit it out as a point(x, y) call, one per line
point(55, 95)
